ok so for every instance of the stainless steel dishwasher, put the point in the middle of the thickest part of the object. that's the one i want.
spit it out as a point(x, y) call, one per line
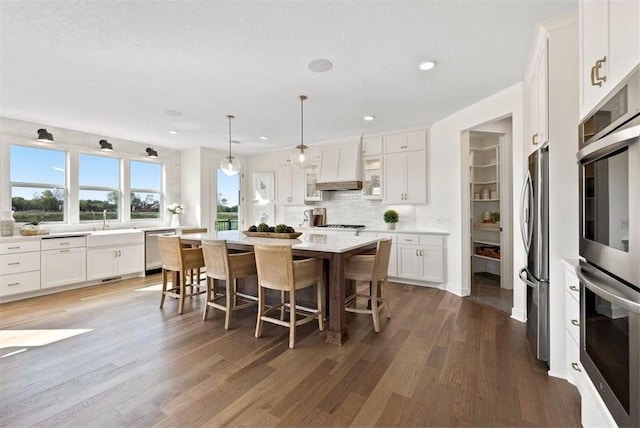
point(152, 259)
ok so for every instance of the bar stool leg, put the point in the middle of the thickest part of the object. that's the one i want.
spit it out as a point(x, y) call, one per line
point(292, 318)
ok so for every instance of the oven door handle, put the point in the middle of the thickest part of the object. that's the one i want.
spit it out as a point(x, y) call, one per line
point(607, 291)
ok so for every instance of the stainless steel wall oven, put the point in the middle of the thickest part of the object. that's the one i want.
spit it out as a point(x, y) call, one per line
point(609, 270)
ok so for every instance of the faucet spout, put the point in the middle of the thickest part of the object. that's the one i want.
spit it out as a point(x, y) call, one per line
point(105, 223)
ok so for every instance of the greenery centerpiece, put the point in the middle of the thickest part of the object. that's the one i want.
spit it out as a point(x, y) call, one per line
point(391, 218)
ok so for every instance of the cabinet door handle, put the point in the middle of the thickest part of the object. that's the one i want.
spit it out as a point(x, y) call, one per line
point(13, 264)
point(422, 252)
point(64, 243)
point(64, 251)
point(416, 252)
point(115, 253)
point(573, 288)
point(575, 322)
point(534, 137)
point(12, 284)
point(13, 248)
point(576, 367)
point(119, 253)
point(596, 79)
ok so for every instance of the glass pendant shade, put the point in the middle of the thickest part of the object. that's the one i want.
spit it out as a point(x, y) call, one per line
point(301, 159)
point(230, 165)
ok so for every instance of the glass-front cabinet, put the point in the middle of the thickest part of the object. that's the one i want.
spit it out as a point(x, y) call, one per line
point(372, 183)
point(310, 179)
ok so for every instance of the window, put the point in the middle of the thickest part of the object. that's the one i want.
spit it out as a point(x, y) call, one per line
point(228, 196)
point(99, 187)
point(146, 190)
point(38, 182)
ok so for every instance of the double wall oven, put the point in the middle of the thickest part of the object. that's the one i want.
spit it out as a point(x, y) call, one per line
point(609, 270)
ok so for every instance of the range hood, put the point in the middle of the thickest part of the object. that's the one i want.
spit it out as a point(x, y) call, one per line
point(340, 166)
point(340, 185)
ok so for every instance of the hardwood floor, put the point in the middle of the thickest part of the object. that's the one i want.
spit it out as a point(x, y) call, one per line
point(440, 361)
point(485, 289)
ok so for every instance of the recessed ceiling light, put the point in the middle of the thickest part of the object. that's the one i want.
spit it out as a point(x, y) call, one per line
point(174, 113)
point(320, 65)
point(264, 137)
point(427, 65)
point(173, 132)
point(369, 118)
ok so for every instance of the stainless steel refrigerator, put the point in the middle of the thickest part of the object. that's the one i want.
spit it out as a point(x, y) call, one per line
point(534, 224)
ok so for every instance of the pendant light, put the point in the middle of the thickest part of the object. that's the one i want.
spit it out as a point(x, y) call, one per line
point(229, 164)
point(301, 159)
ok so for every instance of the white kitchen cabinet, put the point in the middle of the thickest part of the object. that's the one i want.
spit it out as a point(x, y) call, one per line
point(290, 185)
point(372, 177)
point(405, 178)
point(63, 261)
point(372, 146)
point(537, 90)
point(311, 173)
point(340, 162)
point(405, 142)
point(392, 270)
point(421, 257)
point(110, 256)
point(609, 47)
point(19, 267)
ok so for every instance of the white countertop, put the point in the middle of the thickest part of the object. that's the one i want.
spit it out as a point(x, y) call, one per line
point(378, 229)
point(306, 241)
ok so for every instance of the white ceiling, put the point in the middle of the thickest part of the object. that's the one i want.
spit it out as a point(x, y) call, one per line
point(114, 68)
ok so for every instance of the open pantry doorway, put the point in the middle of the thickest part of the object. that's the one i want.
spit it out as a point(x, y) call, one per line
point(487, 203)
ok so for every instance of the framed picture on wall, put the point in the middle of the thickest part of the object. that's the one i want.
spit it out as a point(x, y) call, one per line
point(264, 186)
point(264, 213)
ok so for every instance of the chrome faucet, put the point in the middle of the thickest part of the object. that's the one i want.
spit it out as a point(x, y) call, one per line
point(105, 223)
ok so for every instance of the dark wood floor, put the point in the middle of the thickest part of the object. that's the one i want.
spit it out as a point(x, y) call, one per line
point(440, 361)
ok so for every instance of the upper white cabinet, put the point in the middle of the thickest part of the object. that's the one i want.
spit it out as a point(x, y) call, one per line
point(372, 177)
point(537, 94)
point(290, 180)
point(405, 178)
point(340, 162)
point(311, 192)
point(372, 146)
point(404, 142)
point(610, 47)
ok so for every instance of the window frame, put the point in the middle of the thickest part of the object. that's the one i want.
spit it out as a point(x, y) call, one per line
point(36, 185)
point(120, 202)
point(160, 191)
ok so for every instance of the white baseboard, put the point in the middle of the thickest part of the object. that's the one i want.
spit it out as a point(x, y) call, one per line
point(518, 315)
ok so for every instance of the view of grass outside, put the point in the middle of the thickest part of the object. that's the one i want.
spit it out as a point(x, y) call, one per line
point(227, 206)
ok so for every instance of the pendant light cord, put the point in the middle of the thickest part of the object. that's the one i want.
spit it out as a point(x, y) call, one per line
point(230, 117)
point(302, 98)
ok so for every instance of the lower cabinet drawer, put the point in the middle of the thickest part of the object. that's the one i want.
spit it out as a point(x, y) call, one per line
point(574, 368)
point(19, 283)
point(19, 262)
point(572, 313)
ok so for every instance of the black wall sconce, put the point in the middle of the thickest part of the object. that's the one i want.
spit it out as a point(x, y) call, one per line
point(152, 153)
point(44, 136)
point(106, 146)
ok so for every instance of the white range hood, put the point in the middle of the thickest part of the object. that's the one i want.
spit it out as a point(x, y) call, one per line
point(340, 166)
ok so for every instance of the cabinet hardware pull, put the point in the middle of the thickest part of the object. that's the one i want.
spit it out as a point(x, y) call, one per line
point(64, 243)
point(13, 248)
point(422, 252)
point(575, 322)
point(416, 252)
point(13, 283)
point(576, 367)
point(533, 139)
point(596, 79)
point(13, 264)
point(573, 288)
point(64, 251)
point(115, 253)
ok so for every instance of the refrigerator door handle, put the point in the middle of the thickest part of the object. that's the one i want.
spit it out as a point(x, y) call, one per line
point(526, 228)
point(526, 280)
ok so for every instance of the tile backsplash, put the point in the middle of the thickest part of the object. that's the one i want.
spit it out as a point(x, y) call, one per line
point(346, 207)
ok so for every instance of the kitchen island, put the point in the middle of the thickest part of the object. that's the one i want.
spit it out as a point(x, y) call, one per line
point(333, 250)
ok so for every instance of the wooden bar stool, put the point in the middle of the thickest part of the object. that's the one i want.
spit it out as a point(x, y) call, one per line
point(188, 231)
point(221, 265)
point(179, 260)
point(278, 271)
point(371, 268)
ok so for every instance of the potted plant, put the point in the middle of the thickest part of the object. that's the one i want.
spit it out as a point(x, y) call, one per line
point(391, 218)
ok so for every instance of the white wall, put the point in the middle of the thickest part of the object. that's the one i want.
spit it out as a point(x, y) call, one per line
point(445, 187)
point(23, 132)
